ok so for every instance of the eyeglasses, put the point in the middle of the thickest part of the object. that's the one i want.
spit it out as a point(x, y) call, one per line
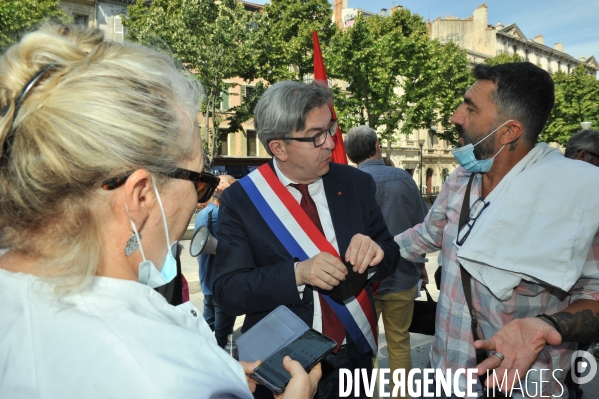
point(319, 138)
point(204, 182)
point(475, 210)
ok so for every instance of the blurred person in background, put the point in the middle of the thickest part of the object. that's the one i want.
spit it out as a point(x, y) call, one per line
point(583, 146)
point(220, 322)
point(402, 207)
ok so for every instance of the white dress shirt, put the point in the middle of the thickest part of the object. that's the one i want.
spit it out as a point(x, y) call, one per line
point(114, 339)
point(319, 197)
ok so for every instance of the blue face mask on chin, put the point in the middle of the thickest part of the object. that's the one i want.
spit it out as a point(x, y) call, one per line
point(466, 158)
point(148, 273)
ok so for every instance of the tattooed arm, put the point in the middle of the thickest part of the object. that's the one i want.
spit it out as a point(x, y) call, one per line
point(521, 340)
point(579, 322)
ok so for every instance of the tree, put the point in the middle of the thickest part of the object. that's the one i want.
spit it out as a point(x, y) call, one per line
point(214, 41)
point(576, 100)
point(286, 48)
point(504, 58)
point(18, 16)
point(398, 77)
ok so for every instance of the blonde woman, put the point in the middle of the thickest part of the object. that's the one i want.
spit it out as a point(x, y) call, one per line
point(100, 172)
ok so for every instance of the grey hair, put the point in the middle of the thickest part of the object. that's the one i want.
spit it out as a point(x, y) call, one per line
point(587, 140)
point(230, 179)
point(360, 143)
point(284, 106)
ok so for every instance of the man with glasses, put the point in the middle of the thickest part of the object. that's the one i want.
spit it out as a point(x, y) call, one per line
point(528, 244)
point(584, 146)
point(300, 226)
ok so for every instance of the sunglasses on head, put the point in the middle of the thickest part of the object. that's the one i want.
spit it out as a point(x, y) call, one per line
point(204, 182)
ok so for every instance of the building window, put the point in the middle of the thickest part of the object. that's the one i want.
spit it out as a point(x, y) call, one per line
point(429, 181)
point(246, 92)
point(80, 20)
point(223, 144)
point(224, 105)
point(515, 48)
point(444, 175)
point(431, 139)
point(252, 144)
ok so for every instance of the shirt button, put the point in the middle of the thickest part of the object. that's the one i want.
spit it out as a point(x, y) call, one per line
point(456, 313)
point(194, 313)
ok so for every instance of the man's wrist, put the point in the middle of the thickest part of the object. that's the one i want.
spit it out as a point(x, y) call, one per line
point(297, 268)
point(550, 320)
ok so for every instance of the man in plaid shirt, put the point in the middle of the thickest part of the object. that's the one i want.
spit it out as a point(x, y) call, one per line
point(507, 107)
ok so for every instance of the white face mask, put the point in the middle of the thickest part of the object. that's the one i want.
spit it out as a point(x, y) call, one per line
point(148, 273)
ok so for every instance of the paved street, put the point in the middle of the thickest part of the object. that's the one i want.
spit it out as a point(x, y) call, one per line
point(420, 343)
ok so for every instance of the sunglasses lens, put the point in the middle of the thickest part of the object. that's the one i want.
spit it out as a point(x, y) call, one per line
point(205, 191)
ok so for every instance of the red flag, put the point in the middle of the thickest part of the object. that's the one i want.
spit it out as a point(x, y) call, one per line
point(320, 73)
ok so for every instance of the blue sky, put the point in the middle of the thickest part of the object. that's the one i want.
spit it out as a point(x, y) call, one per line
point(571, 22)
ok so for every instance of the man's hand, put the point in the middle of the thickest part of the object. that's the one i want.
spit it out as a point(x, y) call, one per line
point(363, 253)
point(248, 368)
point(520, 341)
point(323, 271)
point(302, 385)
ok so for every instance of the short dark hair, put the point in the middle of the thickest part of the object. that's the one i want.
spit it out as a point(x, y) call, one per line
point(283, 108)
point(587, 140)
point(360, 143)
point(524, 93)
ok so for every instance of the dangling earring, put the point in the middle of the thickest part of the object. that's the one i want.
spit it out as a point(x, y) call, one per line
point(131, 245)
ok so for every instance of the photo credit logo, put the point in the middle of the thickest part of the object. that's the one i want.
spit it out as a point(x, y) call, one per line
point(533, 383)
point(416, 383)
point(588, 363)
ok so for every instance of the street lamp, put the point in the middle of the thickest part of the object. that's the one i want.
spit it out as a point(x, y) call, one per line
point(585, 125)
point(421, 144)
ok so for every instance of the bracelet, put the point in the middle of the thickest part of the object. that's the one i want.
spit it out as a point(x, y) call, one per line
point(551, 319)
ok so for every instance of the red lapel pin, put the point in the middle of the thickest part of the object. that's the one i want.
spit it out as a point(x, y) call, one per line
point(339, 193)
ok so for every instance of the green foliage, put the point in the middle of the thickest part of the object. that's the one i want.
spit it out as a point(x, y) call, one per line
point(287, 48)
point(214, 41)
point(19, 16)
point(245, 111)
point(398, 77)
point(576, 100)
point(504, 58)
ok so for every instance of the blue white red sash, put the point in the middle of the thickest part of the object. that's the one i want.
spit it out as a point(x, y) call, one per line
point(303, 240)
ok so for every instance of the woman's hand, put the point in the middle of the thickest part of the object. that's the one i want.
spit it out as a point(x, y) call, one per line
point(248, 368)
point(302, 385)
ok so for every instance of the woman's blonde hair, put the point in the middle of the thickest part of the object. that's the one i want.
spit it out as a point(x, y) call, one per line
point(101, 109)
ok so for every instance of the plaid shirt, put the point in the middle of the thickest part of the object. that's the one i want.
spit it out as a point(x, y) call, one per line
point(452, 346)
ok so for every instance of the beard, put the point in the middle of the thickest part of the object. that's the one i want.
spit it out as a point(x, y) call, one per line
point(483, 150)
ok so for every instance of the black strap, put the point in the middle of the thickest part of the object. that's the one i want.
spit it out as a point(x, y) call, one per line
point(481, 354)
point(210, 221)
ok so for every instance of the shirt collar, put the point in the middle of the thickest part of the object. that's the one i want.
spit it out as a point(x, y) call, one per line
point(371, 162)
point(284, 179)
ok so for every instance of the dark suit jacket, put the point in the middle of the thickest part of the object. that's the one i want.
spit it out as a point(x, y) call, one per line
point(254, 272)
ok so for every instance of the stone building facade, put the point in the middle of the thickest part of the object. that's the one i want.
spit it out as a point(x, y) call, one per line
point(103, 14)
point(482, 40)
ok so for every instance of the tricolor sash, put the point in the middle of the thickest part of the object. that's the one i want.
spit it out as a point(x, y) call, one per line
point(302, 239)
